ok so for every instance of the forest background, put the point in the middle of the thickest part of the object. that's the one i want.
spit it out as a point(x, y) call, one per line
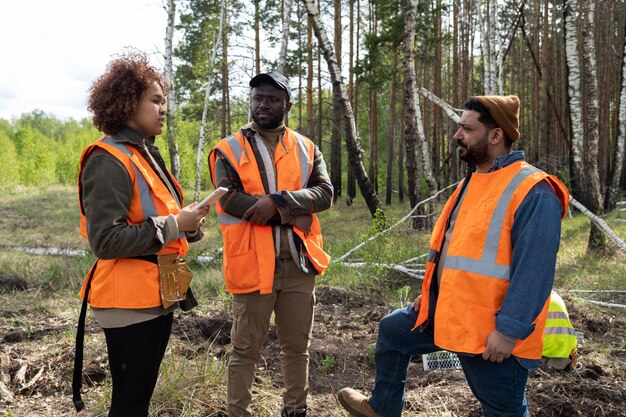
point(564, 59)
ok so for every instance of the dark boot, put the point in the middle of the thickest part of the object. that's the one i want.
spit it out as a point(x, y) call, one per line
point(301, 412)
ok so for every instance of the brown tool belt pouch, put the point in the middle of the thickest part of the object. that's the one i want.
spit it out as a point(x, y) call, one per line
point(174, 278)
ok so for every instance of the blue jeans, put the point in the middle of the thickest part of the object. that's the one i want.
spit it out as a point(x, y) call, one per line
point(500, 387)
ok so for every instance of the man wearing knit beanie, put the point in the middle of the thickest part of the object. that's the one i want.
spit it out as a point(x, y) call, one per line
point(488, 278)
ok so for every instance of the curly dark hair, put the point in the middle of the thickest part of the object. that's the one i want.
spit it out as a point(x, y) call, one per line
point(115, 95)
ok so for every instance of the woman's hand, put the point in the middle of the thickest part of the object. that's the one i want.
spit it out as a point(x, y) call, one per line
point(190, 219)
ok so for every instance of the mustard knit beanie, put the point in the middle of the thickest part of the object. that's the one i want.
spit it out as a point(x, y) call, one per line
point(505, 112)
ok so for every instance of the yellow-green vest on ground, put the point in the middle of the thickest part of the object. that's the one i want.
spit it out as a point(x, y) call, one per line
point(559, 338)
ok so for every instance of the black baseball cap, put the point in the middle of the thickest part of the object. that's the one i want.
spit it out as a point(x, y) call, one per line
point(274, 78)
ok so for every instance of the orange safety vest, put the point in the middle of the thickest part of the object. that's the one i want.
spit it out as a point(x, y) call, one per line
point(128, 282)
point(476, 272)
point(249, 253)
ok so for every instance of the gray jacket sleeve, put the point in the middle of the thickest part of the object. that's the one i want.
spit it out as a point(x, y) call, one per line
point(106, 198)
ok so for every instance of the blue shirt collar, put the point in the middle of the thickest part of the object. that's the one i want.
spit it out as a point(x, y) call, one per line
point(505, 160)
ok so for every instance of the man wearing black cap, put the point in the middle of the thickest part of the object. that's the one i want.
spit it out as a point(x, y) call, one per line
point(273, 250)
point(488, 278)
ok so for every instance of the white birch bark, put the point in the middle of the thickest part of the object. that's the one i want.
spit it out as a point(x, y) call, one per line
point(573, 87)
point(620, 141)
point(170, 116)
point(448, 109)
point(282, 57)
point(592, 145)
point(208, 91)
point(353, 143)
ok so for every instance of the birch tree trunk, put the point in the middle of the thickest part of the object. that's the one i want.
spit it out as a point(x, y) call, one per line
point(208, 91)
point(573, 89)
point(171, 96)
point(584, 168)
point(620, 140)
point(282, 57)
point(597, 239)
point(352, 138)
point(410, 110)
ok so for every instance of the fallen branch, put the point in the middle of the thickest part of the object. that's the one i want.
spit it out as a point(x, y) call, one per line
point(399, 222)
point(600, 223)
point(602, 303)
point(413, 273)
point(600, 291)
point(450, 111)
point(33, 380)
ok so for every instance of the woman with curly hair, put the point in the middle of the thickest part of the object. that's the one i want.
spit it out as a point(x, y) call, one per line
point(133, 214)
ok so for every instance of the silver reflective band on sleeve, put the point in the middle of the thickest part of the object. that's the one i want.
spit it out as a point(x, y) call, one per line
point(557, 315)
point(559, 330)
point(487, 264)
point(235, 147)
point(145, 194)
point(305, 161)
point(432, 255)
point(228, 219)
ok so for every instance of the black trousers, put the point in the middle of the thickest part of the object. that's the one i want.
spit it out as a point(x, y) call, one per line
point(135, 355)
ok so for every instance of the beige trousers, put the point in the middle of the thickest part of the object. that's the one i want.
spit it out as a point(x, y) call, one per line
point(292, 302)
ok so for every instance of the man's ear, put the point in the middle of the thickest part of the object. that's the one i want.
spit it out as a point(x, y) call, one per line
point(288, 107)
point(497, 136)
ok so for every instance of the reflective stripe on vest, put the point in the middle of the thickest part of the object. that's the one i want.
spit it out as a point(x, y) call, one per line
point(487, 264)
point(145, 194)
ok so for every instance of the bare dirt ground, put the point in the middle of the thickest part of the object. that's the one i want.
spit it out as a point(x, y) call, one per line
point(36, 360)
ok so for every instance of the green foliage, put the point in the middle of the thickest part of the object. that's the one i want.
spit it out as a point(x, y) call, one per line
point(327, 364)
point(39, 149)
point(370, 352)
point(404, 295)
point(10, 173)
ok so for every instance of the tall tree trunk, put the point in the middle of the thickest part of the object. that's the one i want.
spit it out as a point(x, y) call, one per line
point(171, 96)
point(391, 137)
point(546, 108)
point(373, 131)
point(320, 92)
point(300, 55)
point(354, 88)
point(335, 140)
point(410, 110)
point(585, 163)
point(620, 140)
point(257, 36)
point(353, 144)
point(401, 148)
point(597, 239)
point(226, 122)
point(282, 56)
point(309, 78)
point(207, 95)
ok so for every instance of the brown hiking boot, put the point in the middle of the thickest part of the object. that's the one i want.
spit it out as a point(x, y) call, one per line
point(356, 403)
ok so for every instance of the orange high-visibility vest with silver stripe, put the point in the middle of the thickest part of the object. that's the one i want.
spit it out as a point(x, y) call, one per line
point(128, 282)
point(477, 266)
point(249, 249)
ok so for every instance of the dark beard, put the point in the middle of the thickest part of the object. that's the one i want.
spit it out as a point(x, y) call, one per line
point(478, 154)
point(271, 123)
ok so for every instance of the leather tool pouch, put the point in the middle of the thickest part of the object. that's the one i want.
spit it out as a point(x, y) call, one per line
point(174, 279)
